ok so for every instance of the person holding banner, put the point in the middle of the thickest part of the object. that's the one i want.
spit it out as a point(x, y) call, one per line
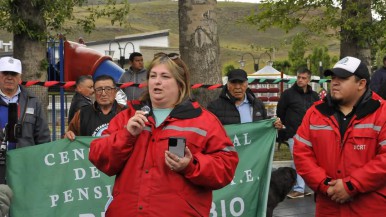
point(22, 120)
point(141, 147)
point(237, 103)
point(340, 146)
point(93, 119)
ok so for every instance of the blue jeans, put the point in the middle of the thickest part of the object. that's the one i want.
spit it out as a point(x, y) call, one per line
point(299, 186)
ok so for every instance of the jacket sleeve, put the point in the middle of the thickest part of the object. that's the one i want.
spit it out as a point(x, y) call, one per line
point(376, 80)
point(110, 152)
point(41, 131)
point(305, 159)
point(215, 167)
point(74, 125)
point(212, 107)
point(281, 107)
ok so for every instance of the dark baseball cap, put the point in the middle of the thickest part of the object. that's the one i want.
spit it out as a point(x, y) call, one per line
point(237, 74)
point(349, 66)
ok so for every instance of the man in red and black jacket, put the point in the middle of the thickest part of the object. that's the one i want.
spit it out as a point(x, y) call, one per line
point(340, 147)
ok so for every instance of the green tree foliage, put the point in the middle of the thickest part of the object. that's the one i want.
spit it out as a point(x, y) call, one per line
point(55, 13)
point(359, 24)
point(282, 66)
point(297, 52)
point(31, 22)
point(319, 56)
point(227, 69)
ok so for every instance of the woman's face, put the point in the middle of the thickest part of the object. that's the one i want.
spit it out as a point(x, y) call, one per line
point(163, 87)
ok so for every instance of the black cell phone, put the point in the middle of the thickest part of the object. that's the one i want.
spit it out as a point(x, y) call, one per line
point(177, 146)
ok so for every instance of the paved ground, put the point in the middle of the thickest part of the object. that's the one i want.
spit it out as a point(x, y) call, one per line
point(300, 207)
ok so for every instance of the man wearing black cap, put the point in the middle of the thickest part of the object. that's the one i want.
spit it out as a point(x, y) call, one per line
point(237, 103)
point(378, 78)
point(340, 147)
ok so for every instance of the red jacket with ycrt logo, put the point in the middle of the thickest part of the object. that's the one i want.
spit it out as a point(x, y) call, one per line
point(358, 158)
point(144, 185)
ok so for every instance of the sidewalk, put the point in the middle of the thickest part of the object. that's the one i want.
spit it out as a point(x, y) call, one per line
point(300, 207)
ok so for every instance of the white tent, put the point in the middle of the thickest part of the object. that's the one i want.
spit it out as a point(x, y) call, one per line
point(267, 71)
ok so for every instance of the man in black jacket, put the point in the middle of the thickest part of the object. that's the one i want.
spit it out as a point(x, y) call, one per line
point(291, 108)
point(93, 119)
point(237, 103)
point(83, 91)
point(378, 77)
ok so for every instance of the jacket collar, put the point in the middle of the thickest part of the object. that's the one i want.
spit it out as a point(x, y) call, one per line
point(131, 71)
point(185, 110)
point(365, 106)
point(226, 95)
point(113, 107)
point(300, 90)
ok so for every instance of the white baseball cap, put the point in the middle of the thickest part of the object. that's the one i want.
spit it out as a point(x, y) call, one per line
point(349, 66)
point(9, 64)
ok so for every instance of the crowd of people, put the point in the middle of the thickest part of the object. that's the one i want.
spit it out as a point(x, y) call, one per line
point(338, 143)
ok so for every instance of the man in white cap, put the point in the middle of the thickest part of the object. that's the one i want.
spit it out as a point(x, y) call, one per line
point(30, 117)
point(340, 147)
point(30, 124)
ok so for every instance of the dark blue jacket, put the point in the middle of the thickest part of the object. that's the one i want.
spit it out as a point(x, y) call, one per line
point(77, 102)
point(377, 79)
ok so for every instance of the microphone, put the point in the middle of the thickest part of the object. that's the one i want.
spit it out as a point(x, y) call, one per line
point(146, 109)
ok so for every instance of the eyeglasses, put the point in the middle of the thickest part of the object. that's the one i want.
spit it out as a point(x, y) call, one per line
point(107, 90)
point(171, 56)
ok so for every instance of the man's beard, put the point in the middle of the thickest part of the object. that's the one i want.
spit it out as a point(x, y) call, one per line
point(336, 101)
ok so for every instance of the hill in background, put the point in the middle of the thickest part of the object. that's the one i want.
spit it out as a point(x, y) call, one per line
point(235, 37)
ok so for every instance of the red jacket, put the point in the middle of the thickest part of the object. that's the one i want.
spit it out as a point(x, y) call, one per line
point(144, 185)
point(359, 158)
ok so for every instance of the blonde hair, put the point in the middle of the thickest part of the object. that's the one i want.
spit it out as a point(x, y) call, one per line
point(179, 71)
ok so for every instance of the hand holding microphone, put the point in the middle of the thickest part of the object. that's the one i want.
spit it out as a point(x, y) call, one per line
point(146, 109)
point(136, 123)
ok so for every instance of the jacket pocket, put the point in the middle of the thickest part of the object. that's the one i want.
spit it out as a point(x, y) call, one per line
point(364, 139)
point(29, 119)
point(193, 209)
point(28, 126)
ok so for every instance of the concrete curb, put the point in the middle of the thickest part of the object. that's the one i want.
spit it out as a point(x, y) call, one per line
point(284, 163)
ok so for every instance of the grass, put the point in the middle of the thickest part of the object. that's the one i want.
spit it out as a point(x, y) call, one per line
point(282, 154)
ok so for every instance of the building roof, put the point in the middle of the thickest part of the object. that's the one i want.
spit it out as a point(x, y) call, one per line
point(132, 37)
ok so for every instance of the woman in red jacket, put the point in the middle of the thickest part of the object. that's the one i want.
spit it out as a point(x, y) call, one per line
point(150, 180)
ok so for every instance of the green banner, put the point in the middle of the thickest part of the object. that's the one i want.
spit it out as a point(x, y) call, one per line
point(248, 193)
point(56, 179)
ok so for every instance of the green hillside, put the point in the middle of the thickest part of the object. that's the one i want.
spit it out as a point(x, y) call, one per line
point(236, 37)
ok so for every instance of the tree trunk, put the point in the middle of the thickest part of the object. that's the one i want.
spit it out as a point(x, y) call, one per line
point(31, 49)
point(352, 44)
point(199, 44)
